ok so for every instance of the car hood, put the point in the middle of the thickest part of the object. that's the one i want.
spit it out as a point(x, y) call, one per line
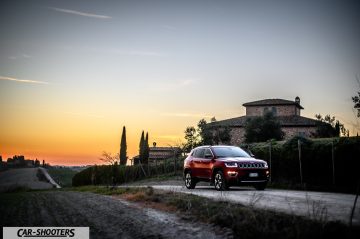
point(241, 160)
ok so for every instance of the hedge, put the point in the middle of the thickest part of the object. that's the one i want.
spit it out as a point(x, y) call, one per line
point(316, 162)
point(118, 174)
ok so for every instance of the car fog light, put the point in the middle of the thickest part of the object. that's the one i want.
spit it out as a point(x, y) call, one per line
point(232, 173)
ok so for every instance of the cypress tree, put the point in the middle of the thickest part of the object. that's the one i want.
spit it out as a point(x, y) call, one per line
point(146, 148)
point(123, 148)
point(141, 147)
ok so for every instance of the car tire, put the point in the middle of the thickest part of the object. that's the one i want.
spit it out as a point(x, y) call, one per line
point(189, 181)
point(220, 182)
point(260, 186)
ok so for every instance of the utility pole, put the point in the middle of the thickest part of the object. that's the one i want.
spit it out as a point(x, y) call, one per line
point(299, 149)
point(173, 157)
point(270, 149)
point(333, 161)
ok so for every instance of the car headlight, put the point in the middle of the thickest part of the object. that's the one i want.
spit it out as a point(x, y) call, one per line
point(231, 164)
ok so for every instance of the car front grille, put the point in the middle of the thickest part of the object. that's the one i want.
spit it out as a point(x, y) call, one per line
point(251, 165)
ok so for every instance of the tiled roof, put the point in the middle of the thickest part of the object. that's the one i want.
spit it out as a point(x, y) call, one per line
point(285, 121)
point(267, 102)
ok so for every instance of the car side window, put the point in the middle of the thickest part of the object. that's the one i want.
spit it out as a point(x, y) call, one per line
point(208, 154)
point(199, 153)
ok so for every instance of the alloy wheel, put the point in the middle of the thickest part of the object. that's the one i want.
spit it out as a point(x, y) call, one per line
point(188, 180)
point(218, 181)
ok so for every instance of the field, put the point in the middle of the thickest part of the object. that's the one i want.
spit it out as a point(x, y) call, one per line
point(63, 176)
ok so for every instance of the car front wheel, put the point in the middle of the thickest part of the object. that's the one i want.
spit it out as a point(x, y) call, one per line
point(219, 181)
point(189, 181)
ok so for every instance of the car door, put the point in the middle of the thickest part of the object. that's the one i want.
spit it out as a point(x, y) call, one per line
point(197, 162)
point(206, 164)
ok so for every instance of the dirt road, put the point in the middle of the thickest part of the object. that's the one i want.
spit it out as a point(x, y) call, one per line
point(316, 205)
point(107, 217)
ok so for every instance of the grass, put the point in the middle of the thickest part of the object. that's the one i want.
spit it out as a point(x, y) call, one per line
point(63, 176)
point(245, 222)
point(105, 190)
point(160, 177)
point(16, 188)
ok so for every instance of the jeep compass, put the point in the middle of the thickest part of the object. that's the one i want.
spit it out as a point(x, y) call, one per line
point(224, 166)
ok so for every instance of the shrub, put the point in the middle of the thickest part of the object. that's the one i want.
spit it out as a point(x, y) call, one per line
point(118, 174)
point(316, 160)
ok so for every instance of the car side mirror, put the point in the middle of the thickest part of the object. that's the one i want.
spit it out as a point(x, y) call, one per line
point(250, 153)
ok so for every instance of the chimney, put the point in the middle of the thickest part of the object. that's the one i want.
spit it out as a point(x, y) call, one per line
point(297, 100)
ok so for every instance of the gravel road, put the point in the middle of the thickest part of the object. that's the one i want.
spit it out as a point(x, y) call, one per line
point(107, 216)
point(316, 205)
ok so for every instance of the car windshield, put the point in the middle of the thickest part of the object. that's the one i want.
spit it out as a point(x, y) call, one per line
point(227, 152)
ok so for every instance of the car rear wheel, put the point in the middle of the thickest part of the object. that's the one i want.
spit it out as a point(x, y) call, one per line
point(189, 181)
point(220, 182)
point(260, 186)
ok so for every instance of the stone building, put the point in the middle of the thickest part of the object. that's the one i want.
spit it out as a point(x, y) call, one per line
point(287, 112)
point(159, 154)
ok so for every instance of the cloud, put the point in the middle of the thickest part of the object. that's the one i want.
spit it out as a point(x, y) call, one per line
point(187, 115)
point(19, 56)
point(175, 85)
point(187, 82)
point(83, 14)
point(83, 114)
point(117, 51)
point(23, 81)
point(145, 53)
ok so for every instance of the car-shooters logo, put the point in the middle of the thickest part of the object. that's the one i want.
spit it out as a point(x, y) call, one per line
point(46, 232)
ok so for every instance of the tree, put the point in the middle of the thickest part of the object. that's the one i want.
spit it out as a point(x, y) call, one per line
point(206, 136)
point(263, 128)
point(146, 149)
point(141, 147)
point(191, 138)
point(329, 127)
point(114, 172)
point(123, 148)
point(222, 135)
point(356, 100)
point(219, 134)
point(108, 158)
point(94, 173)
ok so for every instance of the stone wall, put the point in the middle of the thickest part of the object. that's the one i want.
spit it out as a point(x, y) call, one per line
point(238, 133)
point(302, 131)
point(280, 110)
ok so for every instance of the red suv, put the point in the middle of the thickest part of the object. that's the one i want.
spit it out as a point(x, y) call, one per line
point(224, 166)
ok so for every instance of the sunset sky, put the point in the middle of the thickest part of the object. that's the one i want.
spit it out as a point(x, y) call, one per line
point(73, 73)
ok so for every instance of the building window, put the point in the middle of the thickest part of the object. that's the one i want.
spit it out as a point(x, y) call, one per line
point(274, 111)
point(266, 109)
